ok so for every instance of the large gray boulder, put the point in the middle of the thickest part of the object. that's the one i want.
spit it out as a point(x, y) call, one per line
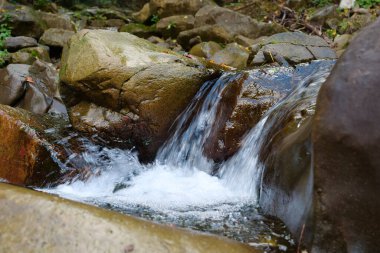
point(148, 84)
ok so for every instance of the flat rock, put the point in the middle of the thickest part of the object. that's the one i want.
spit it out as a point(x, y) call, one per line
point(15, 43)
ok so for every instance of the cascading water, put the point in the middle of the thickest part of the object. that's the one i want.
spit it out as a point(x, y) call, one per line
point(179, 187)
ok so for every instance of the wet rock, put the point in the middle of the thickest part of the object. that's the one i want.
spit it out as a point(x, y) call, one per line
point(15, 43)
point(293, 48)
point(244, 100)
point(215, 33)
point(205, 49)
point(56, 37)
point(232, 55)
point(345, 143)
point(140, 30)
point(148, 84)
point(29, 155)
point(24, 209)
point(234, 23)
point(173, 25)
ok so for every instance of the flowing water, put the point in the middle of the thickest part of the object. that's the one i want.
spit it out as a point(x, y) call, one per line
point(181, 188)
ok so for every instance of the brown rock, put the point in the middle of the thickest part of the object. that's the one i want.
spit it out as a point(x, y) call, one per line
point(346, 141)
point(68, 226)
point(56, 37)
point(173, 25)
point(15, 43)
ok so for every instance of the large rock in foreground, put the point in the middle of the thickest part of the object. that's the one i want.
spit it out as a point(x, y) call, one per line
point(51, 224)
point(149, 85)
point(346, 141)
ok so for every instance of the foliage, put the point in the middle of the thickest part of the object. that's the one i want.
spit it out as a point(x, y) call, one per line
point(367, 3)
point(154, 19)
point(5, 32)
point(321, 3)
point(40, 4)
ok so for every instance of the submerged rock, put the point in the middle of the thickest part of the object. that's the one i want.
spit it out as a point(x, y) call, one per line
point(69, 227)
point(148, 84)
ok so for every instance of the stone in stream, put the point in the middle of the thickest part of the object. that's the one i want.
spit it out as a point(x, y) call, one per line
point(53, 224)
point(232, 55)
point(322, 175)
point(244, 100)
point(149, 85)
point(33, 151)
point(205, 49)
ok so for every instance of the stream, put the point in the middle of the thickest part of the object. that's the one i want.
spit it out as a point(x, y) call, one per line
point(182, 187)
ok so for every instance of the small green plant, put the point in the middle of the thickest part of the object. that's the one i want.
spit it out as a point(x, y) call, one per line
point(367, 3)
point(331, 33)
point(154, 19)
point(321, 3)
point(40, 4)
point(5, 32)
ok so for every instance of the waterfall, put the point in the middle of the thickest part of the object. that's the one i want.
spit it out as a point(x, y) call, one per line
point(183, 186)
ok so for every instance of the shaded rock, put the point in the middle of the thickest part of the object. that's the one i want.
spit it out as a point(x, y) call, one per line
point(117, 232)
point(345, 143)
point(234, 23)
point(173, 25)
point(21, 58)
point(166, 8)
point(15, 43)
point(106, 23)
point(205, 49)
point(139, 30)
point(292, 48)
point(232, 55)
point(59, 21)
point(29, 154)
point(215, 33)
point(244, 41)
point(25, 23)
point(11, 79)
point(143, 14)
point(40, 95)
point(321, 15)
point(148, 84)
point(105, 13)
point(56, 37)
point(41, 52)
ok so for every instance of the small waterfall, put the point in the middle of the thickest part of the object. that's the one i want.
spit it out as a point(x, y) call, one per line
point(179, 187)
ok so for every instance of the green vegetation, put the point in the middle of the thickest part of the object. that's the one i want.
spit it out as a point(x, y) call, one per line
point(367, 3)
point(321, 3)
point(40, 4)
point(154, 19)
point(5, 32)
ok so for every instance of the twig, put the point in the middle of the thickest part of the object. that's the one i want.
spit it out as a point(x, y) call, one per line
point(300, 239)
